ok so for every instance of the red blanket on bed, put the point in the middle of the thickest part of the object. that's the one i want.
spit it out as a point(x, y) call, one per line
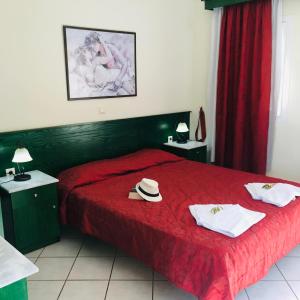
point(165, 236)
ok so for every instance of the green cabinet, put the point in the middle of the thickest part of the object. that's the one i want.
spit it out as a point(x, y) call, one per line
point(30, 217)
point(15, 291)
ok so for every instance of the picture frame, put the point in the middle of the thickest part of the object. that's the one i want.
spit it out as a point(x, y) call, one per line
point(99, 63)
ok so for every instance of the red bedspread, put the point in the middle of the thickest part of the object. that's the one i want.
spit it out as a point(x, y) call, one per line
point(165, 236)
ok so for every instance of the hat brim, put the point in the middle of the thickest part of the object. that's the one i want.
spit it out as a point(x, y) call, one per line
point(148, 198)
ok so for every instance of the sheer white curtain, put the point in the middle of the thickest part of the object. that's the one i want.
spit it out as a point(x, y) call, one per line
point(280, 73)
point(213, 77)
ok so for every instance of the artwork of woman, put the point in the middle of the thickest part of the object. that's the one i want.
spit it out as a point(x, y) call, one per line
point(100, 64)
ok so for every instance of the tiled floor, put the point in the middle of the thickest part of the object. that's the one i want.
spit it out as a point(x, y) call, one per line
point(82, 268)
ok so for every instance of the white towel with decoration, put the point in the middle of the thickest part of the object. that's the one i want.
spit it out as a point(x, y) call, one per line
point(279, 194)
point(229, 219)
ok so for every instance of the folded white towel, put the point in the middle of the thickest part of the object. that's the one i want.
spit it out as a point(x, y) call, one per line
point(229, 219)
point(279, 194)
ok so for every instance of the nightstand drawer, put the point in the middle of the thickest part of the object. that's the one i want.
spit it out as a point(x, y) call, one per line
point(198, 154)
point(33, 196)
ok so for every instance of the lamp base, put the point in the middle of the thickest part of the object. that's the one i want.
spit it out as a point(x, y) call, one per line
point(22, 177)
point(182, 137)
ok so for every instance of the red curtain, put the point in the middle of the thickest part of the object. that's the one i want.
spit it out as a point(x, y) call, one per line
point(244, 86)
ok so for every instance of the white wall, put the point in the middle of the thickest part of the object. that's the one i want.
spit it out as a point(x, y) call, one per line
point(286, 157)
point(172, 59)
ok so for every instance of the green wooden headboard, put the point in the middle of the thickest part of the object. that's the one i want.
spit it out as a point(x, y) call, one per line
point(54, 149)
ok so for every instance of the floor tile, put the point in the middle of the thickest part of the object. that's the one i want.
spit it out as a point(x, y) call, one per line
point(53, 268)
point(163, 290)
point(129, 290)
point(295, 285)
point(35, 253)
point(66, 247)
point(92, 268)
point(94, 247)
point(44, 290)
point(89, 290)
point(32, 259)
point(290, 267)
point(274, 274)
point(127, 268)
point(270, 290)
point(242, 296)
point(159, 277)
point(295, 251)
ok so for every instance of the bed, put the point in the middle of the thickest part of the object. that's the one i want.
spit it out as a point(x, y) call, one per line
point(164, 235)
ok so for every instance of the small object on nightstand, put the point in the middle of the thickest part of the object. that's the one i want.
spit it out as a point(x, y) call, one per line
point(182, 133)
point(21, 156)
point(192, 150)
point(30, 211)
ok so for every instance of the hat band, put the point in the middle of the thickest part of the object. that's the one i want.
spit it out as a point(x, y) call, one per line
point(147, 194)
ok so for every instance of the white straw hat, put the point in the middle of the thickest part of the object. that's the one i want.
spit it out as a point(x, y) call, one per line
point(148, 190)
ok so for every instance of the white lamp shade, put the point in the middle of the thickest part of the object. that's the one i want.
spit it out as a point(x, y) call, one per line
point(21, 155)
point(182, 127)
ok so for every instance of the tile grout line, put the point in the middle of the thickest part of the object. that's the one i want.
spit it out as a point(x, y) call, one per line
point(112, 267)
point(247, 294)
point(286, 281)
point(135, 280)
point(40, 254)
point(72, 256)
point(36, 258)
point(292, 290)
point(82, 243)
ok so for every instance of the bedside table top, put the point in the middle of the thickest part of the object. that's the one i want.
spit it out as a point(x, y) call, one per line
point(38, 178)
point(188, 146)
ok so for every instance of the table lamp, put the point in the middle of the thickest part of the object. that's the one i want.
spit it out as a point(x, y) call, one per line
point(21, 156)
point(182, 131)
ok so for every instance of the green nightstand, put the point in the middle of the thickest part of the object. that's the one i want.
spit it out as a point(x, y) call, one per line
point(30, 211)
point(192, 150)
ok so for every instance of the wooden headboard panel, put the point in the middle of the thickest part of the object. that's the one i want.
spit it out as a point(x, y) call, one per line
point(54, 149)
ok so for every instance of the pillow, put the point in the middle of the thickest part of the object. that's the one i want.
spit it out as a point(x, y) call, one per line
point(102, 169)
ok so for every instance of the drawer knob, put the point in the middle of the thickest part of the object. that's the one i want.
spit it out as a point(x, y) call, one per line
point(54, 206)
point(35, 195)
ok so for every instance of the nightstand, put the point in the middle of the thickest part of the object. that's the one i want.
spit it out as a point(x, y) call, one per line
point(192, 150)
point(30, 211)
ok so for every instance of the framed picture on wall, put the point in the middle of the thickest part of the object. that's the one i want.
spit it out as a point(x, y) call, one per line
point(99, 63)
